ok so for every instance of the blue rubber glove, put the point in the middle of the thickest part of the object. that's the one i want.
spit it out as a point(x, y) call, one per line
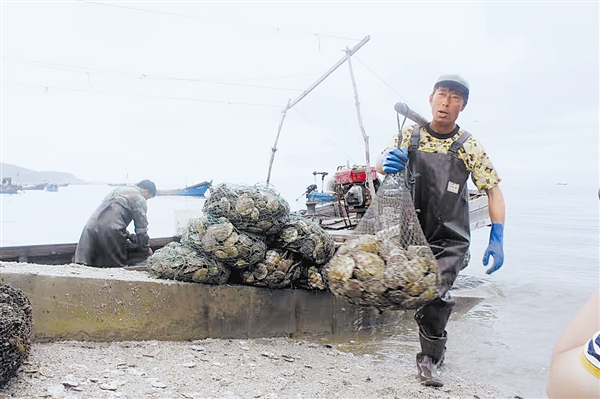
point(495, 248)
point(394, 160)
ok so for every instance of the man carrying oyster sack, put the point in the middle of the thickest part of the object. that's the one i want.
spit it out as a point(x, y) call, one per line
point(439, 158)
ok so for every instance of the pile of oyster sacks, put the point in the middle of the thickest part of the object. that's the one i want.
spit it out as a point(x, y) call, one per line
point(247, 235)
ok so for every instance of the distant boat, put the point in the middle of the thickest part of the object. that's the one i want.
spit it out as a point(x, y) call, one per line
point(561, 184)
point(51, 187)
point(40, 186)
point(197, 190)
point(8, 188)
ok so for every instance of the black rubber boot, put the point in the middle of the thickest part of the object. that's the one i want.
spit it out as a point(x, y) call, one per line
point(428, 371)
point(431, 357)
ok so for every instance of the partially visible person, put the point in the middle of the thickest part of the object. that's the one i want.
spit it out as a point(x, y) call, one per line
point(103, 242)
point(575, 365)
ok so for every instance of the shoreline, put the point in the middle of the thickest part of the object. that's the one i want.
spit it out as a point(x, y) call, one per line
point(226, 368)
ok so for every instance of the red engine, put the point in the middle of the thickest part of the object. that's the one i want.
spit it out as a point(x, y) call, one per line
point(351, 186)
point(357, 174)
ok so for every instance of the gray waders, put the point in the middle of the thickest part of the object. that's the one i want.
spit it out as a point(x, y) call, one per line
point(103, 242)
point(441, 199)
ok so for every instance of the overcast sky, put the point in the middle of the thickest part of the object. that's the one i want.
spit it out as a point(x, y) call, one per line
point(184, 92)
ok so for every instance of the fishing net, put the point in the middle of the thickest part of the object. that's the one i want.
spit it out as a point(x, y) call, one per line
point(219, 238)
point(255, 209)
point(176, 261)
point(277, 270)
point(389, 265)
point(16, 328)
point(305, 237)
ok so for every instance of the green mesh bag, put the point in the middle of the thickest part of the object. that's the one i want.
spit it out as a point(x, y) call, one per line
point(305, 237)
point(176, 261)
point(255, 209)
point(218, 238)
point(277, 270)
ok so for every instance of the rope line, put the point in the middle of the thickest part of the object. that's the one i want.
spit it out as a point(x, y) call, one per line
point(46, 90)
point(277, 30)
point(324, 135)
point(77, 69)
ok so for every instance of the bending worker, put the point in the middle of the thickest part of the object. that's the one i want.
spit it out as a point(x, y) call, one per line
point(439, 158)
point(103, 242)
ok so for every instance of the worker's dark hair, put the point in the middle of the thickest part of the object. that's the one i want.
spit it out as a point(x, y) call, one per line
point(148, 185)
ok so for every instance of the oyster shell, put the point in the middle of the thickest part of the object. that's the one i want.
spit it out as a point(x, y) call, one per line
point(276, 270)
point(375, 270)
point(252, 205)
point(176, 261)
point(307, 238)
point(219, 238)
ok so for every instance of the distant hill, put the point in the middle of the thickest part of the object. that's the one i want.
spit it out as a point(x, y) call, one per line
point(21, 175)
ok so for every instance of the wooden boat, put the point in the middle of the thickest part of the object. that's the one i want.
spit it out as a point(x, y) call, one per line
point(340, 224)
point(348, 198)
point(197, 190)
point(60, 254)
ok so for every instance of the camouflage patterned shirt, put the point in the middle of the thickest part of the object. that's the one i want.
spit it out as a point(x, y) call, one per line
point(131, 198)
point(472, 153)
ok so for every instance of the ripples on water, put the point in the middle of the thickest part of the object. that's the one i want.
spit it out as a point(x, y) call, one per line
point(551, 268)
point(506, 339)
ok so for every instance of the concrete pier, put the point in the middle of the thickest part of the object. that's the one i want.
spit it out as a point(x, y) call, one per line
point(75, 302)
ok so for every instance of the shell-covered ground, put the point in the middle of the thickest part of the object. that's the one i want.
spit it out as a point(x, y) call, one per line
point(276, 368)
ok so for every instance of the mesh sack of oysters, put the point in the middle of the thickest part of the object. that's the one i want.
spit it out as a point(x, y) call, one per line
point(389, 265)
point(278, 269)
point(217, 237)
point(305, 237)
point(16, 328)
point(310, 244)
point(310, 278)
point(176, 261)
point(255, 209)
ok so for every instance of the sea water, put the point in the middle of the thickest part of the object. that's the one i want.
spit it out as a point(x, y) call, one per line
point(41, 217)
point(551, 268)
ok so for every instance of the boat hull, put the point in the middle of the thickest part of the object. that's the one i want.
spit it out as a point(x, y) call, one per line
point(197, 190)
point(9, 191)
point(60, 254)
point(41, 186)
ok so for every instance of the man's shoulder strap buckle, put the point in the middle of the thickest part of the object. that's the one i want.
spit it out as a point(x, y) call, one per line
point(458, 143)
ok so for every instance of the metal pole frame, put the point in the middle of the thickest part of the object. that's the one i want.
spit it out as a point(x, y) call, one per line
point(305, 93)
point(362, 129)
